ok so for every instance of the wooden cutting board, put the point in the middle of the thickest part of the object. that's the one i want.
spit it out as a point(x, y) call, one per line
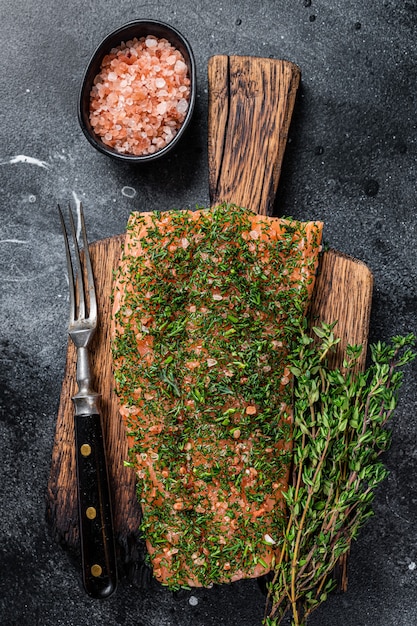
point(250, 106)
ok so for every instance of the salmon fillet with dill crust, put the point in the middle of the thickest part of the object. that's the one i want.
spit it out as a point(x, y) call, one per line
point(205, 303)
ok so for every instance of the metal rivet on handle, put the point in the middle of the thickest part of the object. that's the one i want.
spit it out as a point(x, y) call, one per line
point(91, 512)
point(85, 449)
point(96, 570)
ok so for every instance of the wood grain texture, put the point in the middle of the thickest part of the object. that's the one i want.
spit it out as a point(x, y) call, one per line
point(343, 293)
point(343, 289)
point(251, 101)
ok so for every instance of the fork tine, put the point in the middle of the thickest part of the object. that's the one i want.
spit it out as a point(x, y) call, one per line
point(69, 269)
point(80, 277)
point(90, 276)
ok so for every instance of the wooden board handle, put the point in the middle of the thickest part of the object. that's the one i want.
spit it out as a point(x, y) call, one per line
point(251, 101)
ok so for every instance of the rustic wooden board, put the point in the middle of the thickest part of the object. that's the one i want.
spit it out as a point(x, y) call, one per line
point(343, 292)
point(240, 91)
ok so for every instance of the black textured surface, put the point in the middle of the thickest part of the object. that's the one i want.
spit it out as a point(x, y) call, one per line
point(351, 162)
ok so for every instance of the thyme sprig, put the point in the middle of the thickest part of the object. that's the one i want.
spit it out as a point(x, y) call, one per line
point(339, 434)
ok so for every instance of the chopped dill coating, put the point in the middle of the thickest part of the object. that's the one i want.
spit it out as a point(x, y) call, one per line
point(205, 303)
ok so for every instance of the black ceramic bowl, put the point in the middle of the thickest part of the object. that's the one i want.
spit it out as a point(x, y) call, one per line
point(138, 29)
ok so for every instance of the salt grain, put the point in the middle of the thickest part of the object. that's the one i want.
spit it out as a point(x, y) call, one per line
point(182, 105)
point(180, 67)
point(161, 108)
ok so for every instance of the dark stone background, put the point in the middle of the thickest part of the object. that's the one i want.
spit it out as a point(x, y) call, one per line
point(351, 161)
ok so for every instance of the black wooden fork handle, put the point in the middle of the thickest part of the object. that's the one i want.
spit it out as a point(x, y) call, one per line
point(94, 506)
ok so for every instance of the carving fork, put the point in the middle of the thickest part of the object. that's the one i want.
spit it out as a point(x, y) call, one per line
point(99, 565)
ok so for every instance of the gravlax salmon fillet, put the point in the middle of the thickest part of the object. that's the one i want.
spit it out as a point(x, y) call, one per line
point(205, 303)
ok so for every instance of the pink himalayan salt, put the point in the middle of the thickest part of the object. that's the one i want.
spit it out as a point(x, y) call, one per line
point(140, 96)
